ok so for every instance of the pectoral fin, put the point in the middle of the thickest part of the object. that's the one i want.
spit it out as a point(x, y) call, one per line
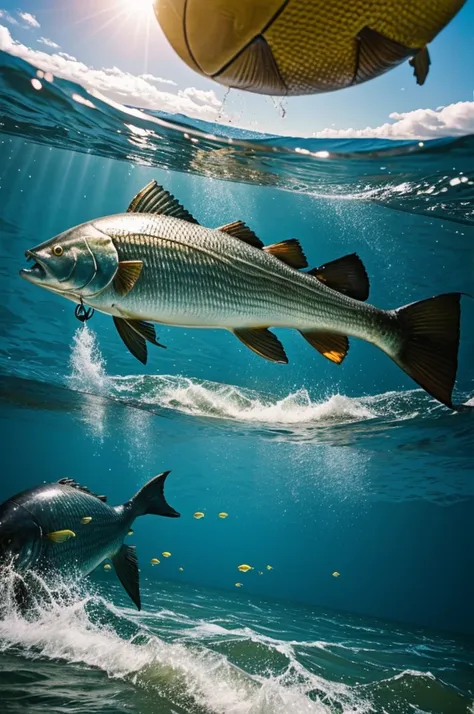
point(347, 275)
point(127, 274)
point(421, 65)
point(126, 566)
point(289, 252)
point(254, 68)
point(333, 347)
point(263, 342)
point(376, 54)
point(60, 536)
point(153, 198)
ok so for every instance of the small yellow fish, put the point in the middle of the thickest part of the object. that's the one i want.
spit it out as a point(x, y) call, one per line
point(269, 567)
point(107, 566)
point(244, 568)
point(223, 514)
point(86, 520)
point(336, 574)
point(166, 554)
point(260, 572)
point(239, 585)
point(180, 570)
point(198, 515)
point(60, 536)
point(154, 561)
point(130, 532)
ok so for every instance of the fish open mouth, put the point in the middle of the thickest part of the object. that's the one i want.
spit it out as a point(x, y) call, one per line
point(36, 272)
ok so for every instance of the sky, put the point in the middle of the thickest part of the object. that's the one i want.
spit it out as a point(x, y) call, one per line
point(117, 47)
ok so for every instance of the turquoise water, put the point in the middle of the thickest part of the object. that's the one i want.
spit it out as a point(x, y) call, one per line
point(321, 469)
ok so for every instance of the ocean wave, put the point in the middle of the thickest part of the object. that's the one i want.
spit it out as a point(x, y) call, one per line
point(194, 678)
point(406, 175)
point(203, 398)
point(198, 666)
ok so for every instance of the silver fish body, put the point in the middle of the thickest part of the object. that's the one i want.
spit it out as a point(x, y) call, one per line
point(156, 264)
point(200, 277)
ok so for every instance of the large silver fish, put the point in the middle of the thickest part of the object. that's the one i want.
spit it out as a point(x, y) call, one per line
point(155, 263)
point(63, 528)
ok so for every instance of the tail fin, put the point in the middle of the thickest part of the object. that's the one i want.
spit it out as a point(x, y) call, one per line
point(429, 353)
point(150, 500)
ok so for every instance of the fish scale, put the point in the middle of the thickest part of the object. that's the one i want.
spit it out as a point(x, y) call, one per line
point(202, 277)
point(61, 507)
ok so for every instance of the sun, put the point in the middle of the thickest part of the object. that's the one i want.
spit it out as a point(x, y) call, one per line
point(140, 8)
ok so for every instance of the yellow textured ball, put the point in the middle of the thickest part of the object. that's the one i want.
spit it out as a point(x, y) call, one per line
point(284, 47)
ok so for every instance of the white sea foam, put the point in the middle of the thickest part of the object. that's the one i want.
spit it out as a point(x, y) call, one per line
point(203, 398)
point(178, 670)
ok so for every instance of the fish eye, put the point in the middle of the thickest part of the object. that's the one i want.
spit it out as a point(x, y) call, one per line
point(58, 250)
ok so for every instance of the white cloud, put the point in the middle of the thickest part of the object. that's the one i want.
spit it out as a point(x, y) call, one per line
point(452, 120)
point(5, 15)
point(159, 80)
point(67, 56)
point(29, 19)
point(201, 96)
point(116, 84)
point(48, 43)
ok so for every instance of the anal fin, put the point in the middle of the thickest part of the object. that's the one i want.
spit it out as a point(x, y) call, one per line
point(332, 346)
point(262, 342)
point(239, 230)
point(347, 275)
point(421, 65)
point(289, 252)
point(376, 54)
point(126, 566)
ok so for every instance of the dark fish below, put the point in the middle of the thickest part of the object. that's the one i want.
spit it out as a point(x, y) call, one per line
point(155, 263)
point(64, 528)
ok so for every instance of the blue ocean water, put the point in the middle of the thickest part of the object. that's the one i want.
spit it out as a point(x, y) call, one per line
point(322, 469)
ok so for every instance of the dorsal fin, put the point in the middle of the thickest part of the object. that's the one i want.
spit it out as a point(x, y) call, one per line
point(73, 484)
point(153, 198)
point(289, 252)
point(239, 230)
point(347, 275)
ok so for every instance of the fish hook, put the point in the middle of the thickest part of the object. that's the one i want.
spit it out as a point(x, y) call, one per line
point(83, 314)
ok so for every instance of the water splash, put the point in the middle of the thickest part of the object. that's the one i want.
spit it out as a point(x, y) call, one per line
point(203, 398)
point(86, 362)
point(88, 374)
point(84, 629)
point(225, 401)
